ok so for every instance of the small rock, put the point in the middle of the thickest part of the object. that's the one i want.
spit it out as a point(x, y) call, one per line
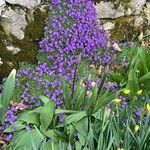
point(109, 26)
point(138, 21)
point(2, 5)
point(136, 6)
point(128, 12)
point(31, 4)
point(13, 49)
point(107, 10)
point(16, 21)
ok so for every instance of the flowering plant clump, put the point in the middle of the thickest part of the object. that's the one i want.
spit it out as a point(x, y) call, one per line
point(72, 33)
point(71, 30)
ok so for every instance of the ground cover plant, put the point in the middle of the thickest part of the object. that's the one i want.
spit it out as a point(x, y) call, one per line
point(86, 91)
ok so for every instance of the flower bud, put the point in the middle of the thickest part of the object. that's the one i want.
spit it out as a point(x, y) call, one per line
point(148, 108)
point(126, 91)
point(117, 100)
point(139, 92)
point(136, 128)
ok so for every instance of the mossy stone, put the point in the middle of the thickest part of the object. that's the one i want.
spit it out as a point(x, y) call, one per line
point(29, 45)
point(5, 55)
point(33, 34)
point(125, 29)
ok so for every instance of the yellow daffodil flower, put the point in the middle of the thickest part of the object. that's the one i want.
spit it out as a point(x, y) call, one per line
point(137, 127)
point(148, 108)
point(139, 92)
point(117, 100)
point(120, 149)
point(126, 91)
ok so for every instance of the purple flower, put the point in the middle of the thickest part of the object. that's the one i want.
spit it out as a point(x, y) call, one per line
point(71, 31)
point(55, 2)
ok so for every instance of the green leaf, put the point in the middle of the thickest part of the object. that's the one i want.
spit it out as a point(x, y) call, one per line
point(103, 100)
point(92, 100)
point(25, 140)
point(30, 117)
point(44, 99)
point(46, 146)
point(142, 63)
point(116, 77)
point(66, 93)
point(132, 84)
point(61, 111)
point(81, 139)
point(47, 113)
point(71, 132)
point(50, 133)
point(147, 59)
point(82, 126)
point(78, 145)
point(145, 80)
point(16, 126)
point(75, 117)
point(7, 93)
point(80, 98)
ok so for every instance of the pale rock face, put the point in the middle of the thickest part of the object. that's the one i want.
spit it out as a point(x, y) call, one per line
point(147, 14)
point(2, 5)
point(109, 26)
point(2, 2)
point(138, 21)
point(128, 12)
point(107, 10)
point(148, 5)
point(14, 22)
point(25, 3)
point(136, 6)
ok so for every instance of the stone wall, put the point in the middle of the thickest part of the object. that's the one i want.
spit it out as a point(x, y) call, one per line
point(22, 23)
point(21, 27)
point(125, 19)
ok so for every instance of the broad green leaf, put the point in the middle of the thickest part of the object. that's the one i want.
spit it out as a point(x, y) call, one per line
point(75, 117)
point(25, 140)
point(50, 133)
point(47, 113)
point(30, 117)
point(145, 80)
point(81, 139)
point(16, 126)
point(132, 84)
point(82, 126)
point(142, 63)
point(7, 93)
point(44, 99)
